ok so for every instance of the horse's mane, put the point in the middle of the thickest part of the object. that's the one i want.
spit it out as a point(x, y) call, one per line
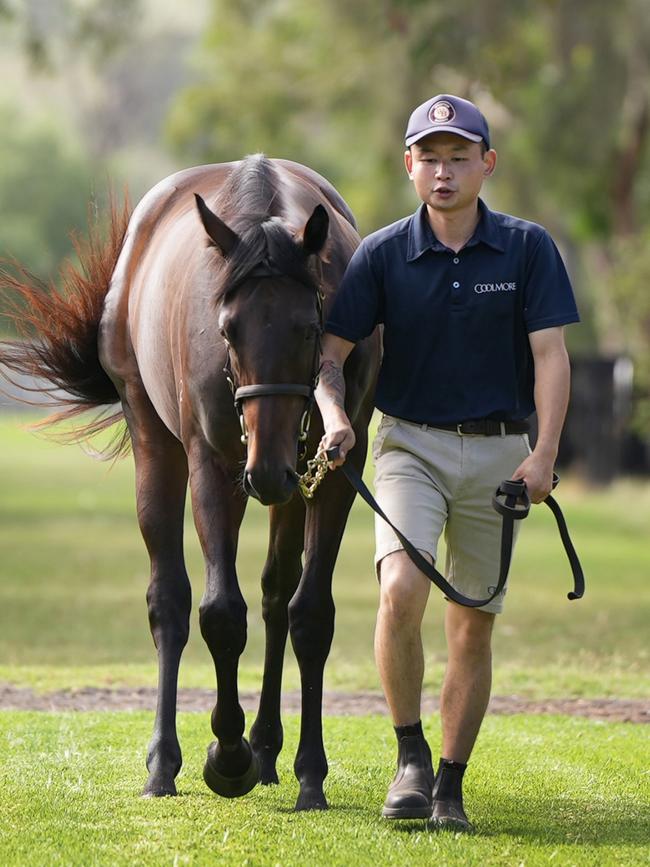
point(252, 204)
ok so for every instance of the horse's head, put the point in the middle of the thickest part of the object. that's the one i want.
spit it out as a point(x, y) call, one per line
point(270, 317)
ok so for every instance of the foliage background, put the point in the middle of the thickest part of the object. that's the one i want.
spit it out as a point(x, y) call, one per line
point(135, 89)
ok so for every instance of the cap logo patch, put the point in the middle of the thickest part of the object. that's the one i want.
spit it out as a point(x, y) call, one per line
point(441, 112)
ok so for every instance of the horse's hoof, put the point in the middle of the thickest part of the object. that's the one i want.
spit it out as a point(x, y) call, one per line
point(230, 786)
point(311, 800)
point(157, 790)
point(268, 772)
point(269, 778)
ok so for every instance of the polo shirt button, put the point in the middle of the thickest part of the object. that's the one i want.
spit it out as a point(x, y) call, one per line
point(456, 284)
point(456, 260)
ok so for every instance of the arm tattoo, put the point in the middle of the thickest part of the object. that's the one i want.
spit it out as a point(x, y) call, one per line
point(332, 383)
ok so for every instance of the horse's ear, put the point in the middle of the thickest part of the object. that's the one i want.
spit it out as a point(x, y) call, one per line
point(314, 234)
point(222, 235)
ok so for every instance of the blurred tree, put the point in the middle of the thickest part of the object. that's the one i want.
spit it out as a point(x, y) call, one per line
point(331, 83)
point(627, 281)
point(316, 82)
point(51, 29)
point(564, 83)
point(44, 190)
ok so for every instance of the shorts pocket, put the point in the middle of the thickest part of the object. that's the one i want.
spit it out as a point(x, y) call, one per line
point(386, 424)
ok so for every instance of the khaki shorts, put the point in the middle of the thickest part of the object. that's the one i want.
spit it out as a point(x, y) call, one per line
point(427, 480)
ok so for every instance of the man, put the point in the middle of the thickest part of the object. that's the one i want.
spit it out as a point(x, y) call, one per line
point(473, 304)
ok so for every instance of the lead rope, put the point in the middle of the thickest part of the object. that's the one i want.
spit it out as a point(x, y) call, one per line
point(511, 500)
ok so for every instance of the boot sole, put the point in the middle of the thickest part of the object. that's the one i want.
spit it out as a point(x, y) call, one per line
point(406, 813)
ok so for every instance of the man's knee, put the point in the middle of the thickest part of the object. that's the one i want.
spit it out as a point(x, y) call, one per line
point(469, 630)
point(404, 589)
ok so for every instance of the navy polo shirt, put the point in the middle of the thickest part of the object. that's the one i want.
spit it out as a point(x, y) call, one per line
point(456, 325)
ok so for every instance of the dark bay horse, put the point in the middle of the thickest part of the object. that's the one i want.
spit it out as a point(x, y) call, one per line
point(228, 266)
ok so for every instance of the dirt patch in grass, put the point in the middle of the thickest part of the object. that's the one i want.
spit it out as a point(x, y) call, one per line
point(334, 703)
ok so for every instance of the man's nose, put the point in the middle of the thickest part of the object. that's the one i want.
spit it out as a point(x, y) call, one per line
point(443, 169)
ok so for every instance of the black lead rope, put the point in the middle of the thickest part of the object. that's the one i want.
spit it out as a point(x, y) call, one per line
point(511, 501)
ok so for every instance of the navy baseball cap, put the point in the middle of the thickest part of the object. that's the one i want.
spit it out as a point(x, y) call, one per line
point(445, 113)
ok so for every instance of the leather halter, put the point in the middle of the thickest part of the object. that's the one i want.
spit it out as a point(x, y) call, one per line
point(266, 268)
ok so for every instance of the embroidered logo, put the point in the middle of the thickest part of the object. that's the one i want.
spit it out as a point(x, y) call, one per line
point(480, 288)
point(442, 112)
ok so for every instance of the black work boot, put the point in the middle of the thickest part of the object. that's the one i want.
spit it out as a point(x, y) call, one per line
point(448, 812)
point(410, 793)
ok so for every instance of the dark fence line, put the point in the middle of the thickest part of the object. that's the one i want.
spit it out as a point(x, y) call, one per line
point(598, 441)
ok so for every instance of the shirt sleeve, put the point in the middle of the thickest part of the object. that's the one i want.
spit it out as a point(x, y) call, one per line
point(548, 295)
point(358, 305)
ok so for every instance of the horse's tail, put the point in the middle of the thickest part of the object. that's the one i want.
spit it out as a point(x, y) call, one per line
point(58, 348)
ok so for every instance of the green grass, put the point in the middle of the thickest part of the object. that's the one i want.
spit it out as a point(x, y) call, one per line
point(541, 790)
point(74, 571)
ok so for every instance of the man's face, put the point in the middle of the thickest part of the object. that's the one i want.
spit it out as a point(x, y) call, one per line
point(448, 170)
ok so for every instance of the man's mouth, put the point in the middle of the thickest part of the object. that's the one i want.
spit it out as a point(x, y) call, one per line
point(445, 192)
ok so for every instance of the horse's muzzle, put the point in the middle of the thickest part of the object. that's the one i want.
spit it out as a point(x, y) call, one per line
point(271, 488)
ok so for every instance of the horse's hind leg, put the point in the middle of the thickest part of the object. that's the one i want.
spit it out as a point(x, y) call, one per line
point(279, 581)
point(218, 504)
point(161, 484)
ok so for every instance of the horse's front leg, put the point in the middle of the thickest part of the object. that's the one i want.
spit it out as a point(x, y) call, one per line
point(218, 505)
point(279, 581)
point(311, 621)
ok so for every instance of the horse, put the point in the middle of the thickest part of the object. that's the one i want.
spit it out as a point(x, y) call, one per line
point(198, 322)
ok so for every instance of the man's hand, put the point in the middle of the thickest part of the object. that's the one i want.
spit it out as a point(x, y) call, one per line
point(537, 471)
point(342, 436)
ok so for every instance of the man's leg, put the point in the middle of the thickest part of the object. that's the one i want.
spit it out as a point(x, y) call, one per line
point(404, 591)
point(468, 679)
point(400, 661)
point(463, 702)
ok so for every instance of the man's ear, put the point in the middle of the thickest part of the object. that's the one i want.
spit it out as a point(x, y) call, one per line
point(314, 233)
point(408, 162)
point(490, 162)
point(219, 233)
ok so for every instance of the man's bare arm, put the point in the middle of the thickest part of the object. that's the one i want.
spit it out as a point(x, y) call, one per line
point(552, 383)
point(330, 396)
point(332, 383)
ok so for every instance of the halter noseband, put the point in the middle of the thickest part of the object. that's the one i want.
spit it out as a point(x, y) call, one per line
point(240, 393)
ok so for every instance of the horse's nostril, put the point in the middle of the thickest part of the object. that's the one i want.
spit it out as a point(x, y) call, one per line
point(249, 487)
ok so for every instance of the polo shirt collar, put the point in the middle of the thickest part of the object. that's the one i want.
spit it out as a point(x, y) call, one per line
point(421, 237)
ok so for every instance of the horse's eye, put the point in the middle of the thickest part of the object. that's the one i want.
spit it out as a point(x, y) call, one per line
point(227, 330)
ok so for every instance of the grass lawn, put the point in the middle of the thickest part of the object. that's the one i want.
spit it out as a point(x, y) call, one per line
point(541, 790)
point(74, 571)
